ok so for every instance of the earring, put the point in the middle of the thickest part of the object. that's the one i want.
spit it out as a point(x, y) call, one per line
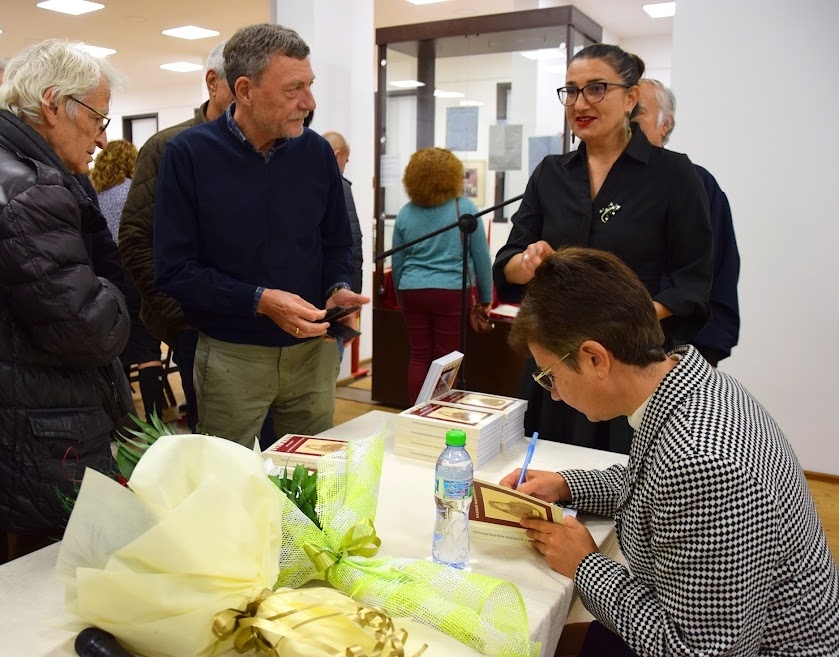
point(573, 137)
point(628, 128)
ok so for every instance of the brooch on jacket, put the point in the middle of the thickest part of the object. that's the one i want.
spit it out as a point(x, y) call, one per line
point(608, 212)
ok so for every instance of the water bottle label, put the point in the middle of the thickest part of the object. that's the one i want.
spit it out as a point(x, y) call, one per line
point(453, 489)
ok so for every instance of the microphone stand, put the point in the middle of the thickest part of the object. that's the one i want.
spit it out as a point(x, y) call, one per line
point(468, 224)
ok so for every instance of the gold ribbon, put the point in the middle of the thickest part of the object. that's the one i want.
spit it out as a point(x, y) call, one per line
point(247, 628)
point(359, 541)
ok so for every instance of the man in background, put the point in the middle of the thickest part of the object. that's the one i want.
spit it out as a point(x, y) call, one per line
point(160, 313)
point(656, 115)
point(252, 238)
point(342, 154)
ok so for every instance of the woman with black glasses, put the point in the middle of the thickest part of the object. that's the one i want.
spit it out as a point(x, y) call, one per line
point(618, 193)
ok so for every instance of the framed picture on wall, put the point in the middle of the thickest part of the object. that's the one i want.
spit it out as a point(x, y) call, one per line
point(474, 181)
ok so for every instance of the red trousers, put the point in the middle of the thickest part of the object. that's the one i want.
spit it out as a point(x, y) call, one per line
point(433, 320)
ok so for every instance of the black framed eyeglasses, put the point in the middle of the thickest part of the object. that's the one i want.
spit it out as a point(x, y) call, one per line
point(593, 92)
point(105, 119)
point(545, 378)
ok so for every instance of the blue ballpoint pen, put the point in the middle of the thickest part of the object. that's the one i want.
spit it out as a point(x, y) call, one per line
point(528, 456)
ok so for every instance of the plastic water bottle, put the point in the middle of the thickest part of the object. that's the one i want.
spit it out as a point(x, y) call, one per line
point(453, 495)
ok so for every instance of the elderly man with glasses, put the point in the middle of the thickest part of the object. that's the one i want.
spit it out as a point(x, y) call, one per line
point(725, 551)
point(62, 390)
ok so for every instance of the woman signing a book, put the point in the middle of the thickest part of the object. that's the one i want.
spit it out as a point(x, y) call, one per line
point(725, 551)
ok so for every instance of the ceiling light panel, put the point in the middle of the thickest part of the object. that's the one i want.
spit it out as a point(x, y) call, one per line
point(661, 9)
point(190, 32)
point(73, 7)
point(181, 67)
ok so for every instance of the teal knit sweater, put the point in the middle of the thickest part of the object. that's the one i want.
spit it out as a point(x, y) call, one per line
point(436, 262)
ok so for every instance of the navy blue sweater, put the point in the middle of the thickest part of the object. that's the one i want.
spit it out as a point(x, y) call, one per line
point(227, 222)
point(720, 334)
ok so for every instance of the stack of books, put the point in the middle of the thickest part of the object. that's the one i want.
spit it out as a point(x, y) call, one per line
point(437, 388)
point(421, 432)
point(491, 422)
point(292, 449)
point(510, 408)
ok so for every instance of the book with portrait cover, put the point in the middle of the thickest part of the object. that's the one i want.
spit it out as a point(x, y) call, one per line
point(440, 378)
point(495, 513)
point(292, 449)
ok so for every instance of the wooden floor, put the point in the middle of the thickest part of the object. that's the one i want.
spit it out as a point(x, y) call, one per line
point(353, 399)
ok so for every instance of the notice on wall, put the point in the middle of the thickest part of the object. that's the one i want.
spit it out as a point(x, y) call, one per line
point(505, 147)
point(389, 170)
point(462, 128)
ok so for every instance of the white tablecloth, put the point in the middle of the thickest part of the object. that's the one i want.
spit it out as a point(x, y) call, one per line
point(33, 622)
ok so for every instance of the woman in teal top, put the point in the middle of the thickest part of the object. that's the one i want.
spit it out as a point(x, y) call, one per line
point(427, 276)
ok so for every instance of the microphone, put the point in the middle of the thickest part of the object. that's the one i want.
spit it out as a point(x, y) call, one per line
point(94, 642)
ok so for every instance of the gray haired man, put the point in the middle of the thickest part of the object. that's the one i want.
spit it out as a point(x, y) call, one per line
point(161, 314)
point(62, 390)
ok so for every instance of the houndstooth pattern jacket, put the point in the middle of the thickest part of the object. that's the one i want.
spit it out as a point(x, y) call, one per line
point(725, 549)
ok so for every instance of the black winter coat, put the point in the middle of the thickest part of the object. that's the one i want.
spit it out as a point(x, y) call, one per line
point(62, 390)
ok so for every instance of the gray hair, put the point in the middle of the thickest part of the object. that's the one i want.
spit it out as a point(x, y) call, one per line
point(52, 64)
point(215, 61)
point(666, 106)
point(249, 50)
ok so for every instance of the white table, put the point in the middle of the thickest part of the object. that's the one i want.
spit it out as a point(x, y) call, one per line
point(33, 622)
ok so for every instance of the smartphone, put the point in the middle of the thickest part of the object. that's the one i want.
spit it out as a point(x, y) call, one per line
point(337, 312)
point(341, 332)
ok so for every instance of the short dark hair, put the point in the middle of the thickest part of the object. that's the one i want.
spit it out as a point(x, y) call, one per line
point(629, 67)
point(581, 294)
point(248, 51)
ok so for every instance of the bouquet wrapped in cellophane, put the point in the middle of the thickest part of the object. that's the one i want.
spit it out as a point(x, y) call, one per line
point(183, 564)
point(482, 612)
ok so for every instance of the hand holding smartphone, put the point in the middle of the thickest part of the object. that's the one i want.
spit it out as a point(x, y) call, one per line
point(337, 312)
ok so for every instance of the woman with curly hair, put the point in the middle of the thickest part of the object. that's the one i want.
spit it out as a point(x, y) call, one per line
point(427, 276)
point(111, 179)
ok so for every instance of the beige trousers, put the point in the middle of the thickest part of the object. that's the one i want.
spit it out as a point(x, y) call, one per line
point(236, 384)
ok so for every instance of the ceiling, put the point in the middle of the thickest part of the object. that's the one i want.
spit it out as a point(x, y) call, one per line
point(133, 27)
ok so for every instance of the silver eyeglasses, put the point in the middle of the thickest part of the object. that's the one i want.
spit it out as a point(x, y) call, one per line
point(545, 378)
point(593, 92)
point(105, 119)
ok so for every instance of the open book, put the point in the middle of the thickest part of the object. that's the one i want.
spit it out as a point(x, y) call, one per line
point(495, 513)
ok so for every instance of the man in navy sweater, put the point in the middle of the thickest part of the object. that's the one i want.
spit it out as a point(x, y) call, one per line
point(252, 237)
point(656, 115)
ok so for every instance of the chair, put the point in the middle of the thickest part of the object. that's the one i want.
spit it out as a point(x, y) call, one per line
point(168, 368)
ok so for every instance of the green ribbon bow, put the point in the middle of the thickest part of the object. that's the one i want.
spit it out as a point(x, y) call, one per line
point(359, 541)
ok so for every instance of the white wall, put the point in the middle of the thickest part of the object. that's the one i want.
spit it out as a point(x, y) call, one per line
point(657, 53)
point(757, 92)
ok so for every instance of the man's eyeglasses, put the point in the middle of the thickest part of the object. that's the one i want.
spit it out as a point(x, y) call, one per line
point(593, 92)
point(105, 119)
point(545, 378)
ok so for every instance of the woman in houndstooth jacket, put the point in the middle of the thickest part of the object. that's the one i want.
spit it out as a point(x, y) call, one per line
point(725, 549)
